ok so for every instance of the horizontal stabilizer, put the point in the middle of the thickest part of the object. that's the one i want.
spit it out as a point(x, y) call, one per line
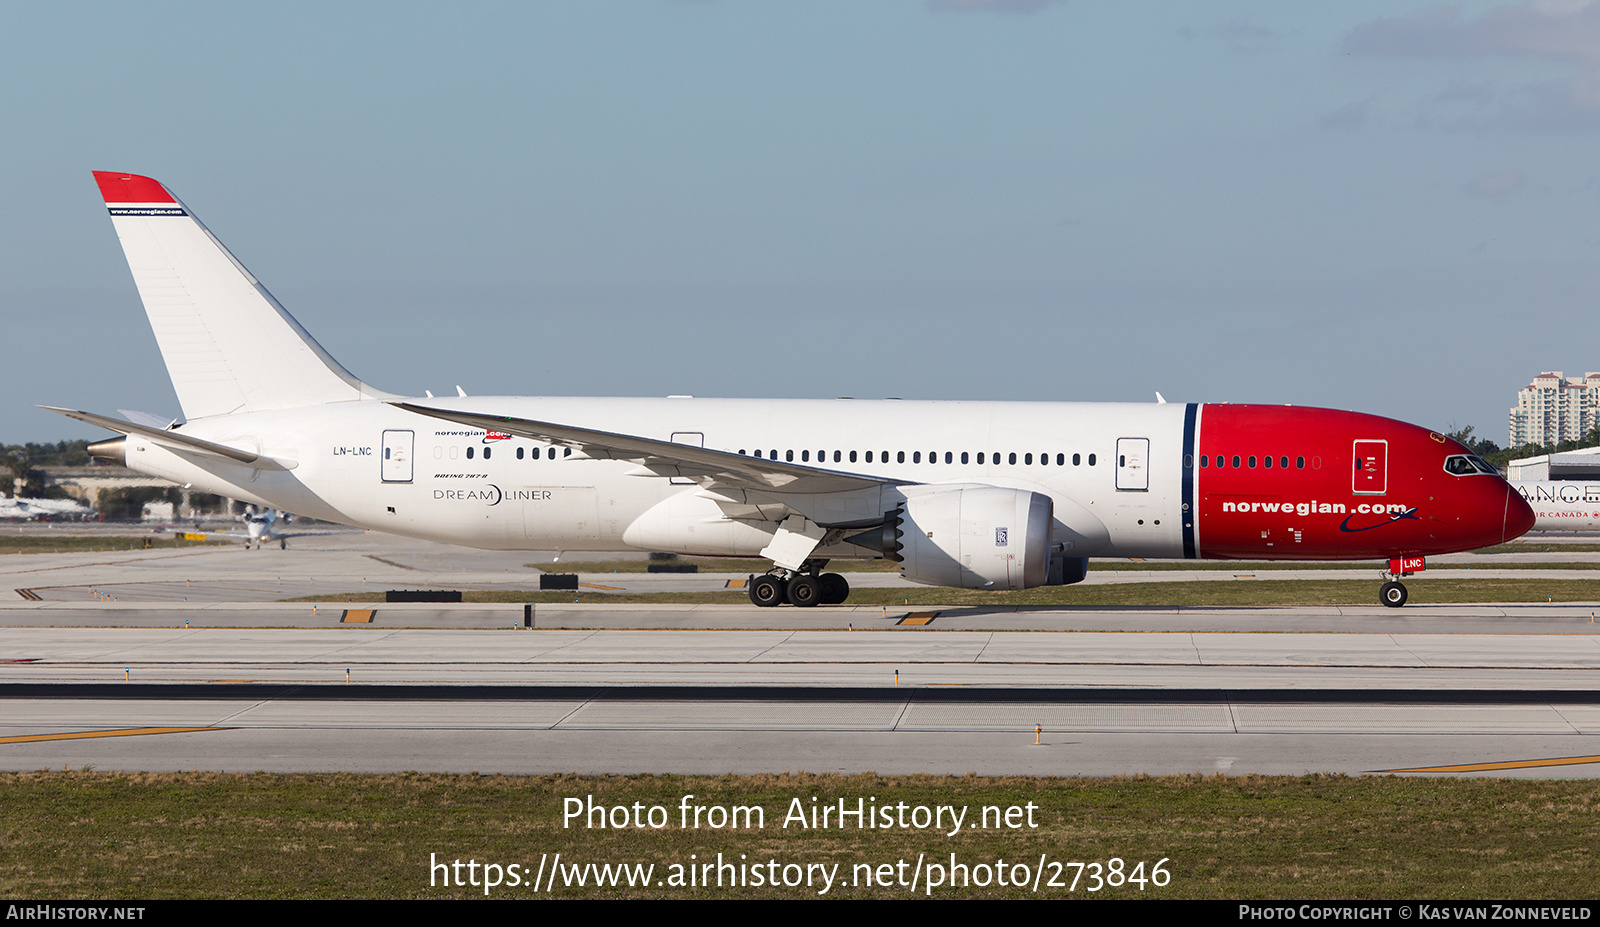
point(176, 441)
point(147, 418)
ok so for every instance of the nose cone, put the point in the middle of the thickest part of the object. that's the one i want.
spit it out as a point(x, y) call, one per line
point(1519, 515)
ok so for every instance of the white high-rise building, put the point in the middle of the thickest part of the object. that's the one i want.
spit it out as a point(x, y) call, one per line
point(1555, 408)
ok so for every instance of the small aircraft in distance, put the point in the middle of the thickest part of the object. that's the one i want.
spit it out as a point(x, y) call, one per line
point(262, 527)
point(976, 495)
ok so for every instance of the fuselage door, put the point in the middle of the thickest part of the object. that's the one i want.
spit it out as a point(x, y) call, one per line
point(397, 447)
point(693, 439)
point(1133, 464)
point(1370, 469)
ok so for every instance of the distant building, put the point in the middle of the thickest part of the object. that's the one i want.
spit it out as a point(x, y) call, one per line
point(1582, 464)
point(84, 483)
point(1555, 408)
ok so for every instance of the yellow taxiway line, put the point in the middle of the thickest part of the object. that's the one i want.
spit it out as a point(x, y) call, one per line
point(1509, 764)
point(123, 732)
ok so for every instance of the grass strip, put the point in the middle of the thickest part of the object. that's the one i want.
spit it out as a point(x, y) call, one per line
point(709, 565)
point(1241, 593)
point(45, 544)
point(83, 835)
point(717, 565)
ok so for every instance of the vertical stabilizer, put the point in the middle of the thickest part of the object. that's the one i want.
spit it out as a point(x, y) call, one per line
point(228, 344)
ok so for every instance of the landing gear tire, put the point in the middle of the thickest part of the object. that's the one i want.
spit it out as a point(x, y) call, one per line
point(1392, 594)
point(767, 590)
point(283, 544)
point(834, 589)
point(805, 591)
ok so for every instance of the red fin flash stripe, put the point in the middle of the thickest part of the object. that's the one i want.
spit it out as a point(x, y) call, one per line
point(131, 188)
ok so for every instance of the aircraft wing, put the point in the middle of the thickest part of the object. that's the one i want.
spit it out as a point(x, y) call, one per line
point(710, 468)
point(179, 442)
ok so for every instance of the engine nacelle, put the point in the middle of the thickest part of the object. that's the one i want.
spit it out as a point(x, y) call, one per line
point(974, 536)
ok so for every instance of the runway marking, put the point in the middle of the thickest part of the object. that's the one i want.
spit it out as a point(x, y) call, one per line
point(357, 616)
point(123, 732)
point(1511, 764)
point(598, 586)
point(30, 595)
point(918, 618)
point(736, 584)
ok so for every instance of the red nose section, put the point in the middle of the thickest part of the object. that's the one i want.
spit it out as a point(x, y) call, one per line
point(1519, 515)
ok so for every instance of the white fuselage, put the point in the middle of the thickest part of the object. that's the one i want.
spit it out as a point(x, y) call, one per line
point(459, 486)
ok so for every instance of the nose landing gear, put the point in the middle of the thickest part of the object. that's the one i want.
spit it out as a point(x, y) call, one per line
point(1393, 592)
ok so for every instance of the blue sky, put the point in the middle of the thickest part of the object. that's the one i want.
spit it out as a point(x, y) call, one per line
point(1385, 206)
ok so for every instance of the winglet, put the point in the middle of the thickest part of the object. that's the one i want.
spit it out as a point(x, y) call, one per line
point(131, 188)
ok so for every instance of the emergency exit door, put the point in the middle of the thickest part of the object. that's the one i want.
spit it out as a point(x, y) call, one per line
point(397, 446)
point(1369, 474)
point(1133, 464)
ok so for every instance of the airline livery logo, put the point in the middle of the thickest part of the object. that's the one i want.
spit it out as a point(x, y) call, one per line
point(146, 210)
point(1410, 513)
point(1378, 514)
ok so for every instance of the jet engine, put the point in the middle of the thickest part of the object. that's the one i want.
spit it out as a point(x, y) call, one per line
point(968, 536)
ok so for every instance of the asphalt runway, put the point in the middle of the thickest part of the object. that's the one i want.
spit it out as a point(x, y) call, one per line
point(232, 680)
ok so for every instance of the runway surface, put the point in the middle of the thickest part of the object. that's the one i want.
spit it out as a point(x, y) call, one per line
point(258, 685)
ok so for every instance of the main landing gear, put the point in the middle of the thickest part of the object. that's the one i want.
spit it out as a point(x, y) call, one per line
point(1393, 592)
point(803, 588)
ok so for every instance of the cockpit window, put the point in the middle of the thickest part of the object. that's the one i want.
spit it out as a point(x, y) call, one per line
point(1467, 465)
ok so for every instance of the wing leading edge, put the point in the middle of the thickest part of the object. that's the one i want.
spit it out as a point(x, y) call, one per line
point(712, 469)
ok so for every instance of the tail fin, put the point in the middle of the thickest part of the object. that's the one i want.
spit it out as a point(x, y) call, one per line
point(228, 345)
